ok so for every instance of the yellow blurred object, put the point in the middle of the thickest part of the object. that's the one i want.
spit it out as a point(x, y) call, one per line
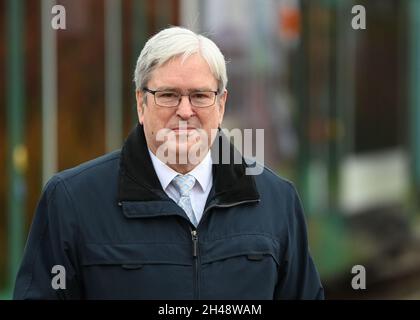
point(20, 158)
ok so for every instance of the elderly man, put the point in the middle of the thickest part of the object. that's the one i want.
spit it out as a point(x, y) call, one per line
point(139, 223)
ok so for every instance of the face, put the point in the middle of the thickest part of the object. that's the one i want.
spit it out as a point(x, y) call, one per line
point(191, 75)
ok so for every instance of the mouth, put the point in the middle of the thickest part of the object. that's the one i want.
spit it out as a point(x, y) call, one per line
point(183, 129)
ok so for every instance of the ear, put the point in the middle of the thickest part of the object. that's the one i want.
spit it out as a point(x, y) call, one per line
point(140, 106)
point(222, 102)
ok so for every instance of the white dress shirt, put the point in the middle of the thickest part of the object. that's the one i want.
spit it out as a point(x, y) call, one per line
point(199, 193)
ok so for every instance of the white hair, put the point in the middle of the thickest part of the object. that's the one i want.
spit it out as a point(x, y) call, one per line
point(177, 41)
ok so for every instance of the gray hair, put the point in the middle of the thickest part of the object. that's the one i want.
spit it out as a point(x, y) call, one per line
point(177, 41)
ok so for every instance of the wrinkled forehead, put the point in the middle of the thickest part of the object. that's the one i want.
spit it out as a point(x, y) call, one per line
point(184, 72)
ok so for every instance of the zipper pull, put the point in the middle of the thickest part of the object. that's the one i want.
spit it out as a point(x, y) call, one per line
point(195, 242)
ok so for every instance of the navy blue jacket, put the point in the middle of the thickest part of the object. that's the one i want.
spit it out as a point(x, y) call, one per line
point(109, 223)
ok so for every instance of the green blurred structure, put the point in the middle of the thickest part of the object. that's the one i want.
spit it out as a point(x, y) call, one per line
point(338, 107)
point(414, 94)
point(16, 152)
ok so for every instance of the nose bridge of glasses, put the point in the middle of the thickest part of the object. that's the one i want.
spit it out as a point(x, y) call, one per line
point(187, 97)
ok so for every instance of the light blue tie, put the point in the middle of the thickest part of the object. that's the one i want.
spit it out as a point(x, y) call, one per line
point(184, 184)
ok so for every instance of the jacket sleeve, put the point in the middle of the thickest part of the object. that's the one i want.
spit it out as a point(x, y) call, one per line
point(51, 242)
point(298, 276)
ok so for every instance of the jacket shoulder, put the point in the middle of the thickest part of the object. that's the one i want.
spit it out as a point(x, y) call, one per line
point(93, 169)
point(268, 179)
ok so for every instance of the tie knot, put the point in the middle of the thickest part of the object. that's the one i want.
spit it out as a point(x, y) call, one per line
point(184, 184)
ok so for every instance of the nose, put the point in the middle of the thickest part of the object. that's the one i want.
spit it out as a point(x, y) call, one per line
point(185, 109)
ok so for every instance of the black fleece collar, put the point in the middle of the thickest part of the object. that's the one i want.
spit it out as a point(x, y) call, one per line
point(138, 180)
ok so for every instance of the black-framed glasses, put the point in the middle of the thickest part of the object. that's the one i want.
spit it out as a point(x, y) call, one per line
point(172, 99)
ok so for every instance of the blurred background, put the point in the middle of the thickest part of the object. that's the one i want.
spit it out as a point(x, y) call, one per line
point(340, 109)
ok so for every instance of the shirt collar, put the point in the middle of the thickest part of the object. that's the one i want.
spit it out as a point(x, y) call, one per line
point(202, 172)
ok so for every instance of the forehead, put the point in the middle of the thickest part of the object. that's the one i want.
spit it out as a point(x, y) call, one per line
point(192, 72)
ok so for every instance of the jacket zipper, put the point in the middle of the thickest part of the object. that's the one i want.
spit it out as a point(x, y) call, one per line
point(194, 236)
point(195, 249)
